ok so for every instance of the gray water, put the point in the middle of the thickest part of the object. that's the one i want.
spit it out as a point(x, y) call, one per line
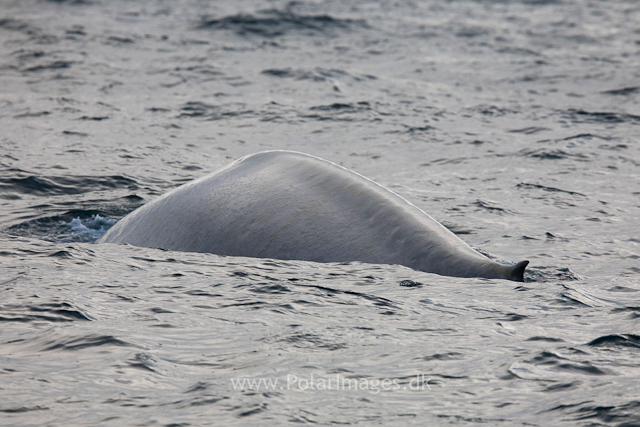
point(515, 124)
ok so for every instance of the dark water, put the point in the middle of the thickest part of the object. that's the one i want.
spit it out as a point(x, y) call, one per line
point(515, 124)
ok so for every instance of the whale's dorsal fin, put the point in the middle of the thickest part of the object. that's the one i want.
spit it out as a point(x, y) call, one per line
point(517, 271)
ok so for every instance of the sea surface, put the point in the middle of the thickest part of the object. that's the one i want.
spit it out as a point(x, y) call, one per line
point(514, 123)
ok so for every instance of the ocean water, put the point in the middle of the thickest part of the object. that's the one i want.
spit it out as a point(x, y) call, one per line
point(515, 124)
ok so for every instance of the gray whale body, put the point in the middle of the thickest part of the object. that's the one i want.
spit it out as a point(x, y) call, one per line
point(294, 206)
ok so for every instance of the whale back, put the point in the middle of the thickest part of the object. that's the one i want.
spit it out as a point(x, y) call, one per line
point(288, 205)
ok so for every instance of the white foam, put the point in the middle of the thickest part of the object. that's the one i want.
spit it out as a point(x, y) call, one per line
point(89, 229)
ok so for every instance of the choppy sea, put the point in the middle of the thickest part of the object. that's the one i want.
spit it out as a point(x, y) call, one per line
point(514, 123)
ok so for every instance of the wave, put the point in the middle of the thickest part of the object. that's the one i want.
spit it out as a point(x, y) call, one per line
point(61, 185)
point(600, 117)
point(274, 23)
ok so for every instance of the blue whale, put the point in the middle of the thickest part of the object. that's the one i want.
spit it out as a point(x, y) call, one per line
point(294, 206)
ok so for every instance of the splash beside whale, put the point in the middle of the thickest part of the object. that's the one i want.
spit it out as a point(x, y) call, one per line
point(294, 206)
